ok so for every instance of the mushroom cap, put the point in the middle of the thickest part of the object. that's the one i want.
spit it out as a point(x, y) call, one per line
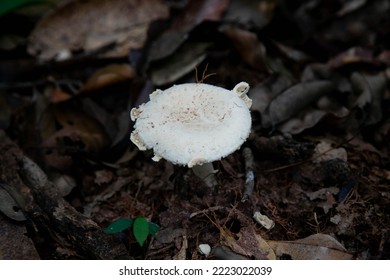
point(191, 124)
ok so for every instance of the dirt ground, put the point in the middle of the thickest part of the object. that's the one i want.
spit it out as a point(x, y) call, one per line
point(312, 181)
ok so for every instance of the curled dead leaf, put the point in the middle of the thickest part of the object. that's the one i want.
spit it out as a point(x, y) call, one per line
point(246, 242)
point(197, 11)
point(93, 24)
point(80, 126)
point(370, 90)
point(108, 75)
point(325, 151)
point(250, 13)
point(182, 62)
point(315, 247)
point(251, 50)
point(293, 100)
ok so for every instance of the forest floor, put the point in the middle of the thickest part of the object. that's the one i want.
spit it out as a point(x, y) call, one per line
point(73, 185)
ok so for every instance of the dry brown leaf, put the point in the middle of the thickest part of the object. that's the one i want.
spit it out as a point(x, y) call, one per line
point(56, 154)
point(84, 127)
point(248, 46)
point(322, 193)
point(325, 151)
point(182, 62)
point(294, 100)
point(327, 109)
point(263, 93)
point(181, 255)
point(324, 240)
point(90, 25)
point(370, 90)
point(248, 244)
point(78, 132)
point(350, 56)
point(193, 14)
point(172, 48)
point(197, 11)
point(306, 119)
point(57, 95)
point(228, 240)
point(315, 247)
point(111, 74)
point(265, 248)
point(248, 12)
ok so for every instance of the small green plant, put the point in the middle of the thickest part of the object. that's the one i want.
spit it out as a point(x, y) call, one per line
point(8, 6)
point(141, 228)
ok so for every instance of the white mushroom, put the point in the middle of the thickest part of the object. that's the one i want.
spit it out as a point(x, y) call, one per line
point(193, 124)
point(204, 249)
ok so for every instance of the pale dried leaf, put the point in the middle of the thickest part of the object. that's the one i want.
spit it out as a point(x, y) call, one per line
point(325, 151)
point(64, 183)
point(321, 193)
point(182, 62)
point(197, 11)
point(306, 119)
point(248, 244)
point(314, 247)
point(370, 90)
point(263, 93)
point(247, 12)
point(181, 255)
point(351, 6)
point(265, 248)
point(293, 100)
point(108, 75)
point(93, 24)
point(251, 50)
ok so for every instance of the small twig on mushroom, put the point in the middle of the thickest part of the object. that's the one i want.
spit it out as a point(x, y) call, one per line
point(249, 175)
point(204, 76)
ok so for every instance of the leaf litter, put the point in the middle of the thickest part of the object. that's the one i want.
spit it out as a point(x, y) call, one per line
point(319, 78)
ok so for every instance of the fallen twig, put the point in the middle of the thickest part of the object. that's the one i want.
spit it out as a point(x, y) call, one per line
point(43, 201)
point(249, 174)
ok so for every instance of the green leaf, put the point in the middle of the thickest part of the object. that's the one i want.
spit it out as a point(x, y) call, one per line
point(7, 6)
point(153, 228)
point(141, 230)
point(119, 225)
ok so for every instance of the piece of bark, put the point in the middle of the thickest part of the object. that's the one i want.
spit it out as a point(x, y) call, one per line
point(44, 206)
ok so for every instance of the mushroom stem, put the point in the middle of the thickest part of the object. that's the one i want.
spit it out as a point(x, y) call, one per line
point(206, 173)
point(250, 176)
